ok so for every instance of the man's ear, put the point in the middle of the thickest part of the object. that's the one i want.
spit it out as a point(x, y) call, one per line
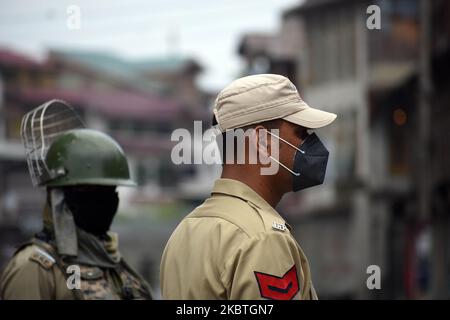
point(262, 141)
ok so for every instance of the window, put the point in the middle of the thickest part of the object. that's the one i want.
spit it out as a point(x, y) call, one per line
point(331, 37)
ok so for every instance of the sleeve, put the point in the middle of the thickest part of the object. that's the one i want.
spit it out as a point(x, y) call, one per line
point(268, 266)
point(26, 280)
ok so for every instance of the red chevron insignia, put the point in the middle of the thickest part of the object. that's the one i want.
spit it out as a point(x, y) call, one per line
point(276, 288)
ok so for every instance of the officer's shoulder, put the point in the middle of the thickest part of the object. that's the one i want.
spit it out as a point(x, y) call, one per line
point(244, 215)
point(34, 254)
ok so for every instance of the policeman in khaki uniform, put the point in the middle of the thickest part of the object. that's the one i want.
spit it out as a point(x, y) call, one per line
point(236, 245)
point(84, 167)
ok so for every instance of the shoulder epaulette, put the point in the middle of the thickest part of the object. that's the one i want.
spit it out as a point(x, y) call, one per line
point(43, 258)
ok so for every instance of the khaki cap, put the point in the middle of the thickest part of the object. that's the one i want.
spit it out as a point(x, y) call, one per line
point(264, 97)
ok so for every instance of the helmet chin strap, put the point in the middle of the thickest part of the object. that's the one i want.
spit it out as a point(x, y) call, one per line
point(64, 224)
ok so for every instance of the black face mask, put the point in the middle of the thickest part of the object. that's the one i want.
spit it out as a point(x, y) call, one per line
point(93, 208)
point(310, 162)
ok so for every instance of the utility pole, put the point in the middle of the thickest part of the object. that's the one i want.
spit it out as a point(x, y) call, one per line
point(424, 110)
point(361, 200)
point(425, 174)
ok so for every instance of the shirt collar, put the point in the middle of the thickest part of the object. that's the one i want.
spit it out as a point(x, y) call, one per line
point(240, 190)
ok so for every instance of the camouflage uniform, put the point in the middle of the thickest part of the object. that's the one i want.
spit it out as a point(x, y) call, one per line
point(38, 272)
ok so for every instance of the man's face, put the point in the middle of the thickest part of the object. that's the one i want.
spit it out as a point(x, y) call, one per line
point(93, 206)
point(295, 135)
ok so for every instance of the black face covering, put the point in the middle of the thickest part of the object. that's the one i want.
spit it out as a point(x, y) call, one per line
point(93, 208)
point(310, 161)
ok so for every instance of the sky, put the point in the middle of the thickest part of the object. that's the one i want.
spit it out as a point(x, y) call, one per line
point(206, 30)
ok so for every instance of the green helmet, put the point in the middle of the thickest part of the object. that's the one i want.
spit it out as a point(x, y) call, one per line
point(85, 156)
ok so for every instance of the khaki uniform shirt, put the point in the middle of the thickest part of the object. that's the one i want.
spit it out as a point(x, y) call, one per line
point(32, 274)
point(234, 246)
